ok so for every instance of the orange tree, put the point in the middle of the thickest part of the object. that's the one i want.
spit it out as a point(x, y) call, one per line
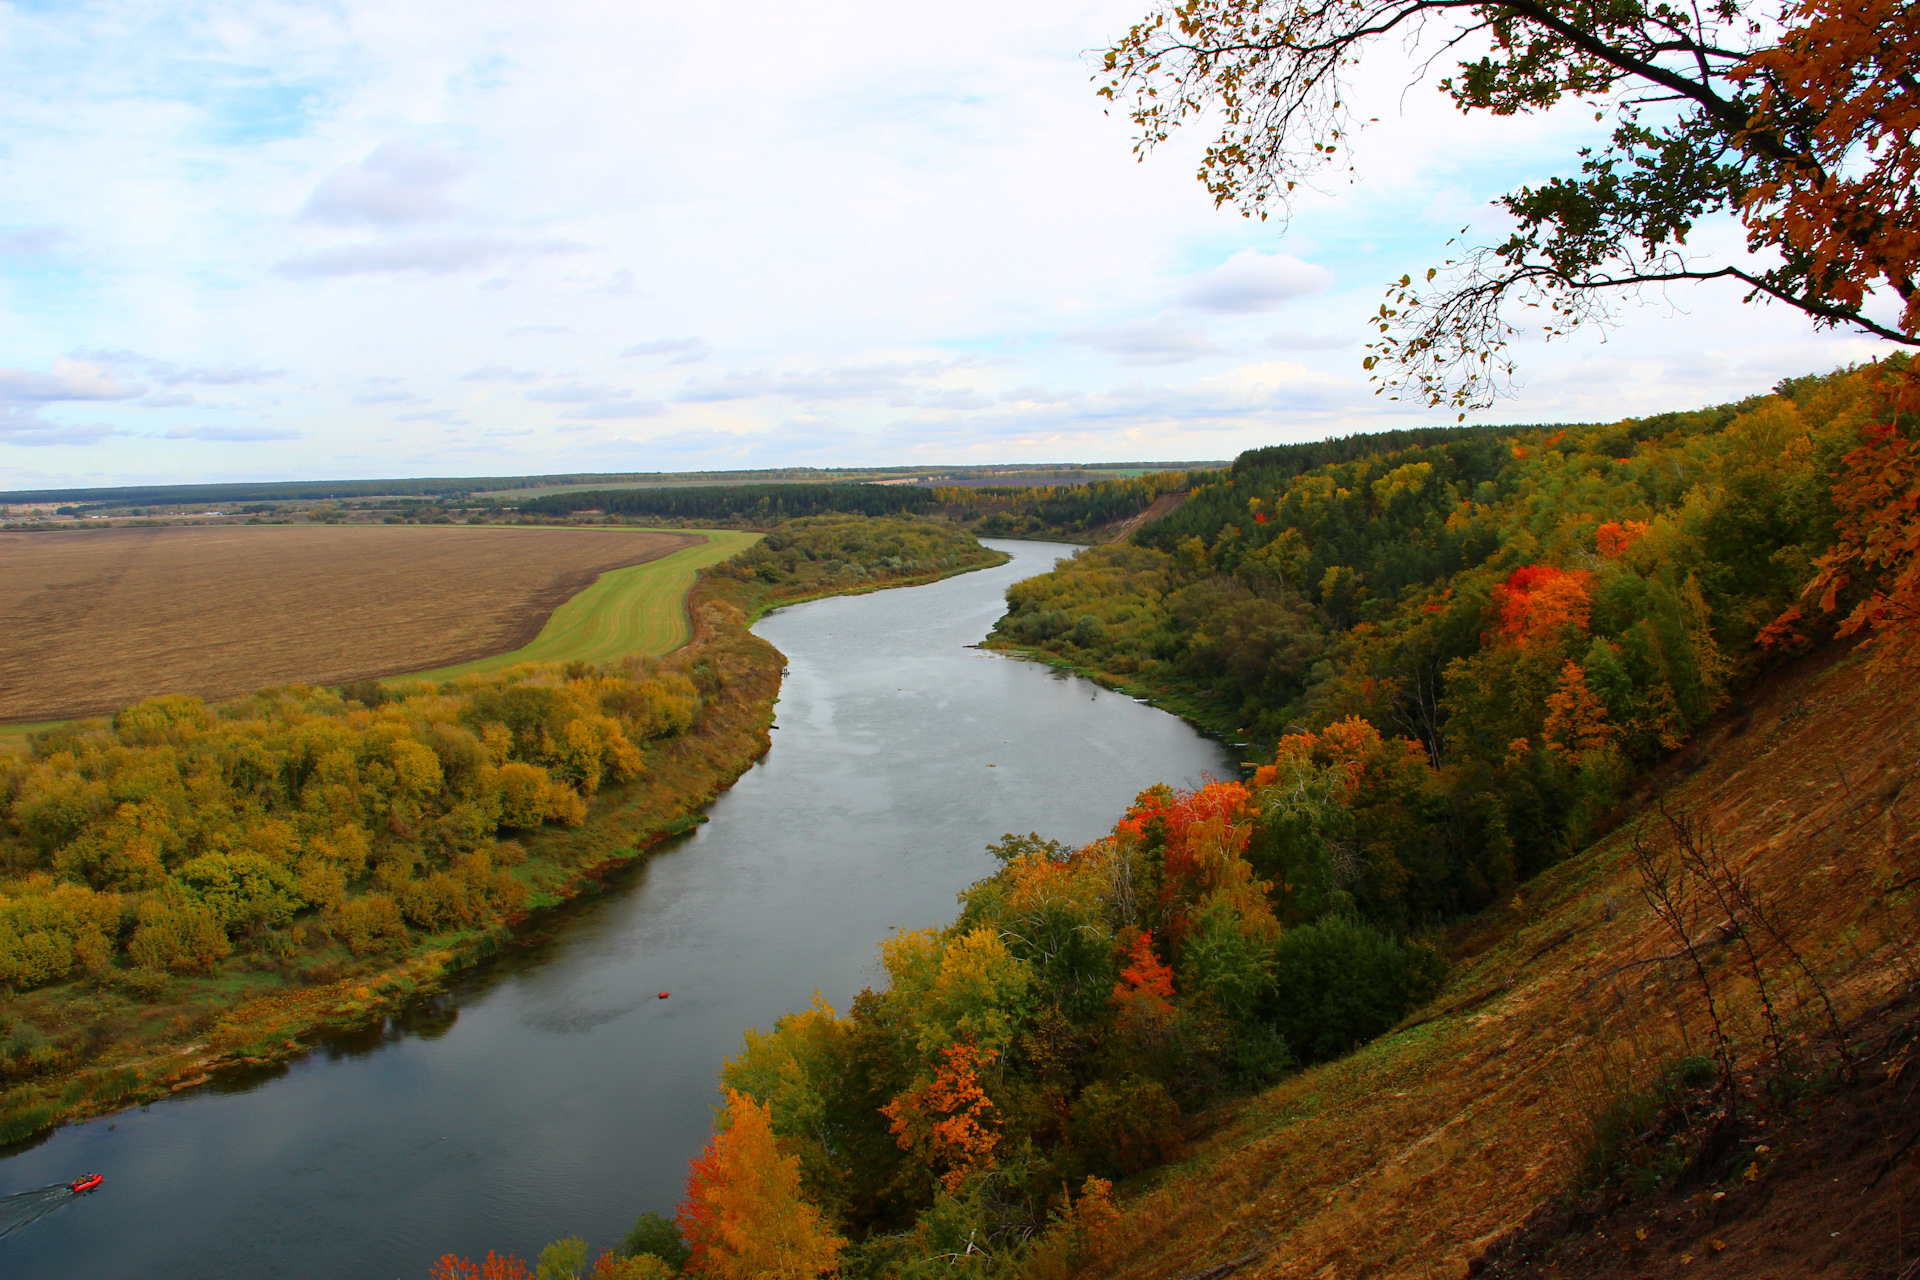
point(1807, 137)
point(1875, 561)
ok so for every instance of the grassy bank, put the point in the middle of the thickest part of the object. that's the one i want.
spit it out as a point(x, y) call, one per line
point(638, 609)
point(114, 1035)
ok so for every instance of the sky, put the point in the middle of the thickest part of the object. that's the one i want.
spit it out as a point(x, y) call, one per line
point(413, 237)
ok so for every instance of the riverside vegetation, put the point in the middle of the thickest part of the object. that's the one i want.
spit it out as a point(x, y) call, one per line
point(1466, 648)
point(1069, 511)
point(185, 885)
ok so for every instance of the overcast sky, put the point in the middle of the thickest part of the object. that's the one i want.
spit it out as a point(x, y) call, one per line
point(406, 237)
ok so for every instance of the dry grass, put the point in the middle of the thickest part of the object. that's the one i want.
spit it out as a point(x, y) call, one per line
point(1411, 1156)
point(97, 619)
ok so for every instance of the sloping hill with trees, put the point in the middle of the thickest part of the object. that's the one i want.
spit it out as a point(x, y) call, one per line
point(1563, 898)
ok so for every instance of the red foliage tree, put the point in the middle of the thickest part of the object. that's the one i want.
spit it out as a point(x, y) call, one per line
point(949, 1120)
point(1615, 536)
point(1878, 547)
point(1146, 975)
point(1538, 604)
point(496, 1267)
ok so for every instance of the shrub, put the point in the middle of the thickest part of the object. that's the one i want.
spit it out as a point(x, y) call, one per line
point(437, 903)
point(142, 984)
point(372, 922)
point(245, 890)
point(655, 1236)
point(1127, 1125)
point(1341, 982)
point(183, 937)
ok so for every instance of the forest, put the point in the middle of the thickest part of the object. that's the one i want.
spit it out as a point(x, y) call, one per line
point(822, 553)
point(1000, 511)
point(304, 834)
point(1467, 643)
point(1543, 612)
point(760, 503)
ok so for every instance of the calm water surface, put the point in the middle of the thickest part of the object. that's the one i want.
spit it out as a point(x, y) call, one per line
point(554, 1094)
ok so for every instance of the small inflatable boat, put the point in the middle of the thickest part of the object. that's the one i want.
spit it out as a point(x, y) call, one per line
point(86, 1182)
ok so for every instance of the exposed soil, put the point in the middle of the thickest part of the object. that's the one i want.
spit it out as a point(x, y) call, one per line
point(96, 619)
point(1119, 531)
point(1833, 1193)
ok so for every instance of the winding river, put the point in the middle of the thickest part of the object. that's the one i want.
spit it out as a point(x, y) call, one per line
point(553, 1093)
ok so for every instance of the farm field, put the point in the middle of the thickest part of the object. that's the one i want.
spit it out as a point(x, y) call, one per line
point(94, 620)
point(637, 609)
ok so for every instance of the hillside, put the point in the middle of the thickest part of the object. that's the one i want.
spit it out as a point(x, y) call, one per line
point(1419, 1153)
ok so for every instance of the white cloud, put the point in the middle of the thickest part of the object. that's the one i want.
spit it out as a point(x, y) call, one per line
point(433, 255)
point(1165, 339)
point(898, 237)
point(33, 241)
point(166, 400)
point(235, 435)
point(1251, 281)
point(66, 380)
point(494, 371)
point(574, 393)
point(614, 410)
point(395, 183)
point(683, 350)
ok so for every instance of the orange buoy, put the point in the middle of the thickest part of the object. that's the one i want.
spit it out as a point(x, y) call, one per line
point(663, 995)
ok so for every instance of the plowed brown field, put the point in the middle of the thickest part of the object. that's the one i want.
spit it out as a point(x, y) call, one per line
point(90, 621)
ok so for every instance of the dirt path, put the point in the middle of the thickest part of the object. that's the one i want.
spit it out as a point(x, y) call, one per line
point(1164, 505)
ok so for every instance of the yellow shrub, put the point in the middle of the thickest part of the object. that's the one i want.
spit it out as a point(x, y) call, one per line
point(177, 936)
point(372, 922)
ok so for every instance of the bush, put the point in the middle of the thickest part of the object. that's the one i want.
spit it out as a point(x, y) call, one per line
point(245, 890)
point(183, 937)
point(372, 922)
point(143, 984)
point(1341, 982)
point(1127, 1125)
point(655, 1236)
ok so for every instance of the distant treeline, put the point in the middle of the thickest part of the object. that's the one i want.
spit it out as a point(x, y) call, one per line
point(1064, 508)
point(303, 490)
point(739, 501)
point(464, 486)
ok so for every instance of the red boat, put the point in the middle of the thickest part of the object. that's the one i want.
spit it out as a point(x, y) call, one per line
point(85, 1182)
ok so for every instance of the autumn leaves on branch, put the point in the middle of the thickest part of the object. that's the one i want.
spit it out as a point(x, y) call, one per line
point(1809, 141)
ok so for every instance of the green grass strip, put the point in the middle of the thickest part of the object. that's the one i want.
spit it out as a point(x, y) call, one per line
point(639, 609)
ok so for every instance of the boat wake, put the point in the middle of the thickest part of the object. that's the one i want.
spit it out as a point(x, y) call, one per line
point(27, 1207)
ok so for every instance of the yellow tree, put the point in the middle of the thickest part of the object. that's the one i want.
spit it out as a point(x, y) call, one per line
point(744, 1216)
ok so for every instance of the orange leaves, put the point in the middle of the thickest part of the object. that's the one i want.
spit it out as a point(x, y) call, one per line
point(1538, 604)
point(744, 1216)
point(1576, 718)
point(496, 1267)
point(1846, 78)
point(1615, 536)
point(1205, 832)
point(1879, 535)
point(1176, 813)
point(1146, 976)
point(949, 1121)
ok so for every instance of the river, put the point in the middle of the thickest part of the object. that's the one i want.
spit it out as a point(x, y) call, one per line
point(553, 1093)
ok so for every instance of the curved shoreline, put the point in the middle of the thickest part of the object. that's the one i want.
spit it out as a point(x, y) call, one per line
point(684, 775)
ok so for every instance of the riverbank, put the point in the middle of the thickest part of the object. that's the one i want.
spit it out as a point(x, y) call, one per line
point(1211, 719)
point(123, 1048)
